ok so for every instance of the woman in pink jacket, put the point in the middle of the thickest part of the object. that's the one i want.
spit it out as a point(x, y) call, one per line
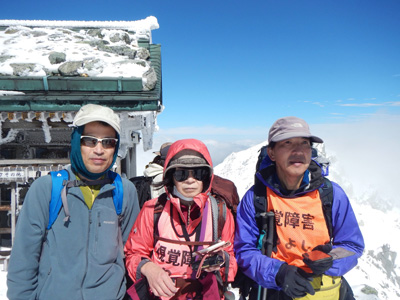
point(164, 248)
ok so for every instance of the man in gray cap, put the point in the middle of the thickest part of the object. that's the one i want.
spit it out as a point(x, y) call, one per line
point(314, 235)
point(73, 224)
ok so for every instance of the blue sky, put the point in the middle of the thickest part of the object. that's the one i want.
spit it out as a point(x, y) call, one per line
point(231, 68)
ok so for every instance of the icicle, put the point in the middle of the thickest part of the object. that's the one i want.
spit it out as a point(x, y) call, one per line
point(68, 117)
point(45, 126)
point(11, 134)
point(56, 117)
point(31, 116)
point(148, 127)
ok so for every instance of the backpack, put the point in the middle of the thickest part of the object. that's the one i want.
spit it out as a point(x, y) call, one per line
point(223, 195)
point(143, 188)
point(61, 183)
point(246, 284)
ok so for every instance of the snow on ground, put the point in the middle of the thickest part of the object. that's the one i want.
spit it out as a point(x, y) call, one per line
point(3, 286)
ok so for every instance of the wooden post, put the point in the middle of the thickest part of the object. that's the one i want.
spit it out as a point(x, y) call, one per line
point(14, 202)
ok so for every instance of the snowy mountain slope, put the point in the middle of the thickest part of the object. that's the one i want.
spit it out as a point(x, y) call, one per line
point(376, 276)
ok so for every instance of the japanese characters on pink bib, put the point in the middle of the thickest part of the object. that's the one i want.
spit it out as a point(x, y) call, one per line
point(175, 258)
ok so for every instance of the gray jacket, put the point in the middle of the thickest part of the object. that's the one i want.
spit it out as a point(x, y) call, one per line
point(81, 260)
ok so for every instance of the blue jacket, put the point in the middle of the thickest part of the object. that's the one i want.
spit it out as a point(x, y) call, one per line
point(263, 269)
point(83, 260)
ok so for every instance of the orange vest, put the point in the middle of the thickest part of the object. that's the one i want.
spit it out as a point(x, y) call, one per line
point(300, 226)
point(176, 258)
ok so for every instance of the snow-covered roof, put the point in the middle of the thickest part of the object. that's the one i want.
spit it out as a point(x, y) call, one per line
point(101, 49)
point(148, 24)
point(49, 69)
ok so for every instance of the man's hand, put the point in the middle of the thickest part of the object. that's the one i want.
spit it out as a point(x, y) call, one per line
point(291, 281)
point(159, 281)
point(318, 259)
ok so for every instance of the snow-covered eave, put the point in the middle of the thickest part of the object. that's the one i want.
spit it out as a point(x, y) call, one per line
point(133, 121)
point(150, 23)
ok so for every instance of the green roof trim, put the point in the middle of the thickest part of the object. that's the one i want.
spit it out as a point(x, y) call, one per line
point(71, 84)
point(70, 93)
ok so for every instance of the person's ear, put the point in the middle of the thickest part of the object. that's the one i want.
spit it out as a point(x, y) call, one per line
point(271, 153)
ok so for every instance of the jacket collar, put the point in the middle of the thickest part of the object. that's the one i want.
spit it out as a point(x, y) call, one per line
point(269, 178)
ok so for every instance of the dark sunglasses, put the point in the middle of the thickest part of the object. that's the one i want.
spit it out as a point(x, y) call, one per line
point(91, 142)
point(200, 174)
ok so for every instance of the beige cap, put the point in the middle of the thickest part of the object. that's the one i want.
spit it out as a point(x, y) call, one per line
point(291, 127)
point(93, 112)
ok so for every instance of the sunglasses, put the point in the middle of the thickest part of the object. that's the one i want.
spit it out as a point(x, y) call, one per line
point(200, 174)
point(91, 142)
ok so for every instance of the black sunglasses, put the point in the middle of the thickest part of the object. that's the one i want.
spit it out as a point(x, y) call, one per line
point(200, 174)
point(91, 142)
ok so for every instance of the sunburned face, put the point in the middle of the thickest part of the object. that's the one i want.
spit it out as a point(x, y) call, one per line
point(292, 158)
point(97, 159)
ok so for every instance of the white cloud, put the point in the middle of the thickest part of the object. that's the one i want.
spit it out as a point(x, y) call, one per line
point(318, 104)
point(391, 103)
point(367, 149)
point(367, 152)
point(362, 104)
point(220, 141)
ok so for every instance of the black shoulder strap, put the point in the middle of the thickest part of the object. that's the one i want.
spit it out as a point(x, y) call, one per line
point(326, 195)
point(158, 208)
point(260, 200)
point(218, 212)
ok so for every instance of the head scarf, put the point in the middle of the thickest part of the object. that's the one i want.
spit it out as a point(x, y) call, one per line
point(76, 155)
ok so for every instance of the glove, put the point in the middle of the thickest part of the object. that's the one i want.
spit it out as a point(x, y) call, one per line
point(318, 260)
point(324, 248)
point(293, 281)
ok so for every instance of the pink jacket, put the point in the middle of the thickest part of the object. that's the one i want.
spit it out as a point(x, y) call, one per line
point(140, 242)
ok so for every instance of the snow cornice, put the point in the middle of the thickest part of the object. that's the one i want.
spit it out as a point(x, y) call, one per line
point(150, 23)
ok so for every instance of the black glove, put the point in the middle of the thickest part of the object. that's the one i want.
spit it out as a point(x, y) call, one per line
point(324, 248)
point(293, 281)
point(318, 260)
